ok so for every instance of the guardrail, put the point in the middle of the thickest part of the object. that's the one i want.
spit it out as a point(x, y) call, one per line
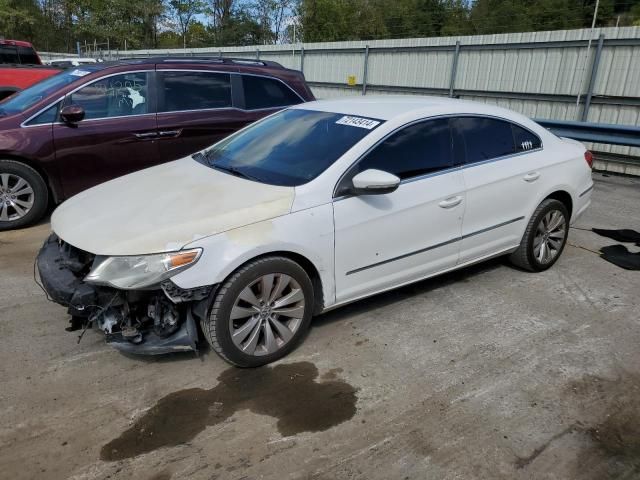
point(594, 132)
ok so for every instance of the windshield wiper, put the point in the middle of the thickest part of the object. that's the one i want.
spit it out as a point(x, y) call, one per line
point(210, 158)
point(234, 171)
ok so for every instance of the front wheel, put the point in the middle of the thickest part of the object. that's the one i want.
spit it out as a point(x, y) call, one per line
point(23, 195)
point(545, 237)
point(260, 312)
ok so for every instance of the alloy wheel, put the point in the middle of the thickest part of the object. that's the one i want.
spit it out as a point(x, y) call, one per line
point(266, 314)
point(16, 197)
point(549, 237)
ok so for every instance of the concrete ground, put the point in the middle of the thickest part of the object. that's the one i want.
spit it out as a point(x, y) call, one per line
point(487, 373)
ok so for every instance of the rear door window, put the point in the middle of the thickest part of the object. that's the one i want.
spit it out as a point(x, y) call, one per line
point(9, 54)
point(262, 92)
point(184, 90)
point(485, 138)
point(28, 56)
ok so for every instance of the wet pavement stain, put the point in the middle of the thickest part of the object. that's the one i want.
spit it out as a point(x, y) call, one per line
point(288, 392)
point(609, 421)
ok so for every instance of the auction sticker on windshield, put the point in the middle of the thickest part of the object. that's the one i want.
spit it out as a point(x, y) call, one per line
point(358, 122)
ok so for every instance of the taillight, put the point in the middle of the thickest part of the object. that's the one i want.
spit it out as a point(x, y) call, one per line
point(588, 156)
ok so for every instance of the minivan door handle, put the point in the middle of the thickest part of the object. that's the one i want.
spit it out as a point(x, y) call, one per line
point(169, 133)
point(451, 202)
point(145, 135)
point(531, 177)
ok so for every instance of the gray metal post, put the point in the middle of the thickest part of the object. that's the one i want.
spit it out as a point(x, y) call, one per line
point(592, 80)
point(454, 69)
point(302, 59)
point(365, 71)
point(257, 54)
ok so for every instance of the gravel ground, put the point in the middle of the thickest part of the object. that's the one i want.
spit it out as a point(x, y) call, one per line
point(489, 372)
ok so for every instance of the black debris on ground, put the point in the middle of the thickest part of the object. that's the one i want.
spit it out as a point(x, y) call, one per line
point(623, 235)
point(620, 256)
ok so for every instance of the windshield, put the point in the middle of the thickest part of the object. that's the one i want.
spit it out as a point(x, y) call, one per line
point(291, 147)
point(19, 102)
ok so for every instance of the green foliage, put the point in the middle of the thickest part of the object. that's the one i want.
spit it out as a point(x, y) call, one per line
point(56, 25)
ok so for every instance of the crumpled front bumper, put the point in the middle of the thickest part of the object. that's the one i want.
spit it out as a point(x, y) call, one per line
point(126, 317)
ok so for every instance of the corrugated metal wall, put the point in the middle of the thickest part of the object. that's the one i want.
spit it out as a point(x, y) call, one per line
point(541, 74)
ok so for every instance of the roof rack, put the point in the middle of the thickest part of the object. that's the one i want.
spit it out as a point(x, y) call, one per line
point(204, 59)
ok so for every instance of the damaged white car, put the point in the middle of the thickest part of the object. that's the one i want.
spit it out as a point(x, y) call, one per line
point(311, 208)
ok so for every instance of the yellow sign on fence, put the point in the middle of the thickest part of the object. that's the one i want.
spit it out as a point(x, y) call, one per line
point(351, 80)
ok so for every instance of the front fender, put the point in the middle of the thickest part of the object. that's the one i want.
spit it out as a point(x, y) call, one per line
point(308, 233)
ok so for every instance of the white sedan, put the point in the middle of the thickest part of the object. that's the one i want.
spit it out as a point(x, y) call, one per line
point(311, 208)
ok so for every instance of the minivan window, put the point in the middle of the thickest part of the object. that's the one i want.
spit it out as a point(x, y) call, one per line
point(262, 92)
point(485, 138)
point(28, 97)
point(289, 148)
point(114, 96)
point(194, 91)
point(415, 150)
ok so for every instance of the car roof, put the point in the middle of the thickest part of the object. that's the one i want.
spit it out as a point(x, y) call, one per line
point(389, 107)
point(18, 43)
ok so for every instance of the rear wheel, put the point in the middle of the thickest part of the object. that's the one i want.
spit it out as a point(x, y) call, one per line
point(261, 312)
point(23, 195)
point(544, 238)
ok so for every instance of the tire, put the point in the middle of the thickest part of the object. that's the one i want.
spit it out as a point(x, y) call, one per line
point(258, 327)
point(538, 238)
point(21, 210)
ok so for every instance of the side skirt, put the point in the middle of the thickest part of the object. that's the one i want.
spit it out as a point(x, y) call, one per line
point(419, 279)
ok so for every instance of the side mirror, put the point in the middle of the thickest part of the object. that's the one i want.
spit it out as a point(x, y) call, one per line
point(374, 182)
point(72, 114)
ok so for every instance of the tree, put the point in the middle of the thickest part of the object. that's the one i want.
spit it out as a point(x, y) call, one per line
point(184, 11)
point(271, 15)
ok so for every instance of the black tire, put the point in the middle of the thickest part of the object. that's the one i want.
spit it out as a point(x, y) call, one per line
point(216, 325)
point(524, 257)
point(40, 194)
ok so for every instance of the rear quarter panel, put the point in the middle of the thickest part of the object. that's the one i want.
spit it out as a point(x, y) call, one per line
point(564, 168)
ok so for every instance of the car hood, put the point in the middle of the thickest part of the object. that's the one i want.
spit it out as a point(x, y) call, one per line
point(164, 208)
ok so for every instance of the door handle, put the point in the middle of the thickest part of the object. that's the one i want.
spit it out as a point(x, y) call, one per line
point(531, 177)
point(144, 135)
point(169, 133)
point(451, 202)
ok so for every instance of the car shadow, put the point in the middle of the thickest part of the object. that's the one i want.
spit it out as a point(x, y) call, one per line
point(400, 294)
point(343, 313)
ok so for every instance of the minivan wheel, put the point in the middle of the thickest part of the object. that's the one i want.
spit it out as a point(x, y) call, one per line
point(23, 195)
point(260, 312)
point(545, 237)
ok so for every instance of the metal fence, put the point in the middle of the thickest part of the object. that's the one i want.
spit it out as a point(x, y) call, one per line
point(567, 75)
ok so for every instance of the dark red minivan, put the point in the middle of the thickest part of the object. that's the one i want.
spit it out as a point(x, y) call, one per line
point(95, 122)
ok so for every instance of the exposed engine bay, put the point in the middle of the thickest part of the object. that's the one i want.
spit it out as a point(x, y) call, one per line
point(150, 321)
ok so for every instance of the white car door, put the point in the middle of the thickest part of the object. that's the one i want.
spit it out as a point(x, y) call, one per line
point(386, 240)
point(501, 176)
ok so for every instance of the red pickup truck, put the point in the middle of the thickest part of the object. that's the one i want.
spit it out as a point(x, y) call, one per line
point(20, 67)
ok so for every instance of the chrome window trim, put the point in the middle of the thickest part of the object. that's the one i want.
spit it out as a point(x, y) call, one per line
point(42, 110)
point(232, 107)
point(24, 123)
point(448, 170)
point(237, 109)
